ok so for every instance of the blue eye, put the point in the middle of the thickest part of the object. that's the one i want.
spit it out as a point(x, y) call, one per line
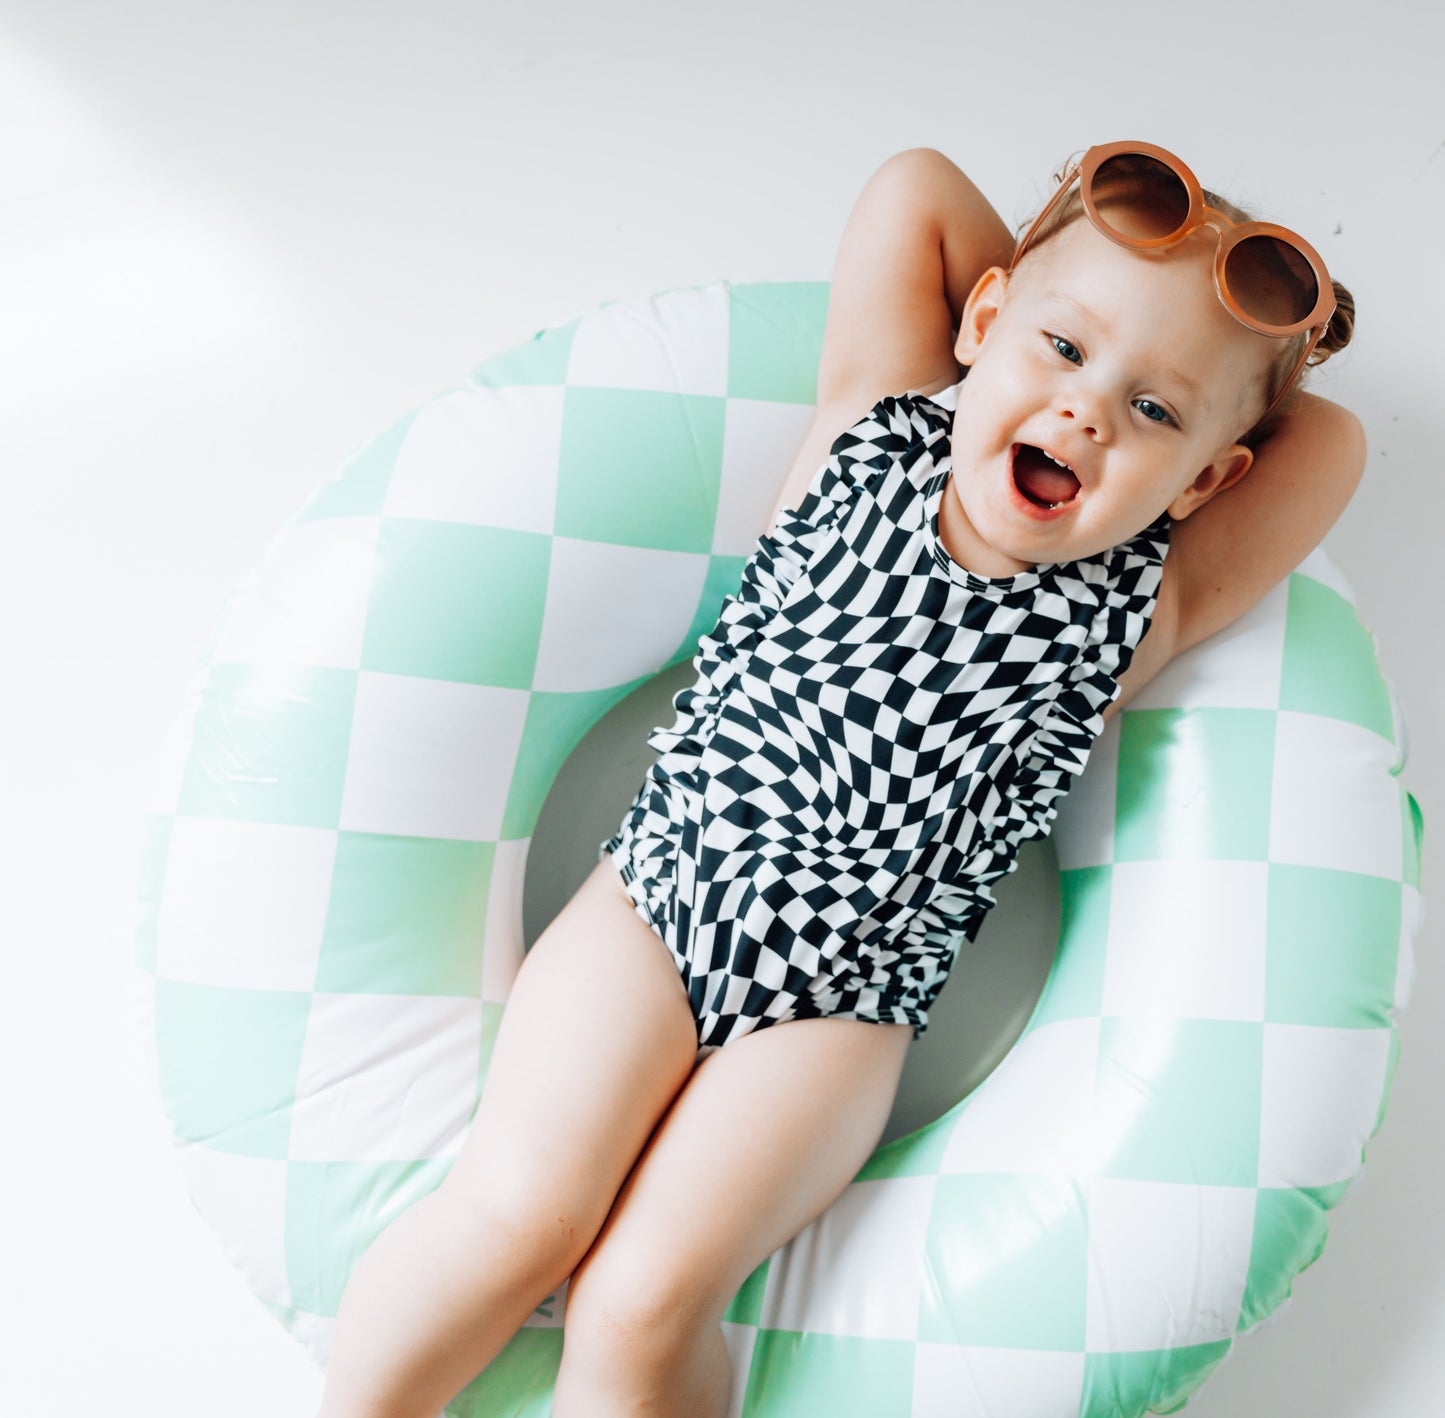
point(1069, 352)
point(1159, 415)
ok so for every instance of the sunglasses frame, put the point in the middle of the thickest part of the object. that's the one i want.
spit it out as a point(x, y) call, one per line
point(1229, 232)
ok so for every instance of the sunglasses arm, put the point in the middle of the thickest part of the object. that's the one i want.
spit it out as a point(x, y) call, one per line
point(1027, 239)
point(1294, 374)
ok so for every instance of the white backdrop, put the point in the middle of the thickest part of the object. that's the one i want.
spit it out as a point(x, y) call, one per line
point(236, 240)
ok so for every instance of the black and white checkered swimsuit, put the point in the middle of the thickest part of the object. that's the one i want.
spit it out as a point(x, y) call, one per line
point(873, 733)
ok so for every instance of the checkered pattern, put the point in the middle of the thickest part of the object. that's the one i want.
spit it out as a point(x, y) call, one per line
point(873, 733)
point(330, 903)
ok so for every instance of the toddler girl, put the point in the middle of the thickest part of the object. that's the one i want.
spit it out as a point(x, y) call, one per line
point(952, 596)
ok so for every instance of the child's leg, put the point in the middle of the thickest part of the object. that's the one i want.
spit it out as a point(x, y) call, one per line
point(763, 1136)
point(596, 1039)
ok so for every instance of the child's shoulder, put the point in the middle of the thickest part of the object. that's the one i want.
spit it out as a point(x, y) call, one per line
point(945, 385)
point(898, 422)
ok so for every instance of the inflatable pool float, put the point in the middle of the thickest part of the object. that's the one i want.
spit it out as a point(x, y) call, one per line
point(334, 857)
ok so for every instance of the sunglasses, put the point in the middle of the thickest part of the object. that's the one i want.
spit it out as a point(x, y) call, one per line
point(1142, 197)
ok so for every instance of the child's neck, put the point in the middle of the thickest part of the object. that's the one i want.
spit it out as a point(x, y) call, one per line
point(963, 543)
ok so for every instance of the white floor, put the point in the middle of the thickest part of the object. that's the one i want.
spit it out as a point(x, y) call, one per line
point(237, 239)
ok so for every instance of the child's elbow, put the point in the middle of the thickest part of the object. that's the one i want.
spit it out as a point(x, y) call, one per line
point(1340, 437)
point(1353, 447)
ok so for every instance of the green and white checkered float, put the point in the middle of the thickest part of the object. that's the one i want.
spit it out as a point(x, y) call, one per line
point(331, 889)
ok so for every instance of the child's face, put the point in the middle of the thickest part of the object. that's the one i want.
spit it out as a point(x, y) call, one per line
point(1122, 365)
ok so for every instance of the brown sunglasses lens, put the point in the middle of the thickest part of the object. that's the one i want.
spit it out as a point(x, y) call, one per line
point(1139, 197)
point(1271, 280)
point(1143, 199)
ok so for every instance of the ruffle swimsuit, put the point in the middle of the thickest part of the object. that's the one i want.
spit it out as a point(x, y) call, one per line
point(873, 733)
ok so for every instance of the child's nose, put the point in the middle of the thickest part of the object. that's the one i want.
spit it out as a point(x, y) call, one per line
point(1087, 415)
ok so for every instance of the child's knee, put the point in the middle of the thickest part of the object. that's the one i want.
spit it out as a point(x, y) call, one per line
point(645, 1295)
point(533, 1218)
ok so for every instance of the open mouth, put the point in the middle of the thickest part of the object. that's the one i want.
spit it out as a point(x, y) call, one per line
point(1042, 480)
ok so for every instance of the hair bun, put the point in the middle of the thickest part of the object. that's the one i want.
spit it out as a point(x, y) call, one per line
point(1340, 329)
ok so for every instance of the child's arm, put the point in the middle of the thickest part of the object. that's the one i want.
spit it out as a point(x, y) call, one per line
point(918, 238)
point(1227, 555)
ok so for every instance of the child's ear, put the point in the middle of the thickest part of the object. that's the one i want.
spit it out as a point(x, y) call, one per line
point(1226, 470)
point(984, 302)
